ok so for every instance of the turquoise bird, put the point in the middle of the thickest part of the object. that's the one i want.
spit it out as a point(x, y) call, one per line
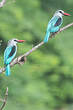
point(55, 23)
point(10, 53)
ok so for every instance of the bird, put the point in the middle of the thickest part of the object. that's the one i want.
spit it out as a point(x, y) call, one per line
point(55, 23)
point(10, 53)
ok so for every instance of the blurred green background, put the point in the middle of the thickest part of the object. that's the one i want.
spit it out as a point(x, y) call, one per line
point(45, 81)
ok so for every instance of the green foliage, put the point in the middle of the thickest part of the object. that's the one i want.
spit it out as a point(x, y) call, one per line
point(45, 81)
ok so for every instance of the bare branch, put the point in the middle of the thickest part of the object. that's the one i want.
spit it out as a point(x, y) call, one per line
point(4, 100)
point(22, 58)
point(2, 3)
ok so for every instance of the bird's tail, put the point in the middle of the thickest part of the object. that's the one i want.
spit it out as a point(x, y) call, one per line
point(7, 70)
point(46, 37)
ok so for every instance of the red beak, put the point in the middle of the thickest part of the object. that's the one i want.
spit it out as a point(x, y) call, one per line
point(66, 14)
point(20, 41)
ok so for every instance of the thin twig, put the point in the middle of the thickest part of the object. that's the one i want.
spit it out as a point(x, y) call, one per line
point(4, 100)
point(21, 58)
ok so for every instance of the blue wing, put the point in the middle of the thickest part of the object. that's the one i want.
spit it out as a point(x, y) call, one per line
point(55, 20)
point(54, 24)
point(9, 54)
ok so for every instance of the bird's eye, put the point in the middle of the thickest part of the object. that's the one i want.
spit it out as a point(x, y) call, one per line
point(15, 40)
point(60, 11)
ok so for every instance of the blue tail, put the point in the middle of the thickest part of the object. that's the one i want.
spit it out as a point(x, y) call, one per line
point(46, 37)
point(7, 70)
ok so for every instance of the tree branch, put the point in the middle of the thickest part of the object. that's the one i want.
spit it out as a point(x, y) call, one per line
point(22, 58)
point(4, 100)
point(2, 3)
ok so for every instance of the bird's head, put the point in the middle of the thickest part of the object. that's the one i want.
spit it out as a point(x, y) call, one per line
point(15, 41)
point(61, 13)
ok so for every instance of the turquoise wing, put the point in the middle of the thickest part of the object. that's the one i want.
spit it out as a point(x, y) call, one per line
point(9, 54)
point(56, 21)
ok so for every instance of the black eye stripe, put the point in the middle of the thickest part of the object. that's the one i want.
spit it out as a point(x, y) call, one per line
point(15, 40)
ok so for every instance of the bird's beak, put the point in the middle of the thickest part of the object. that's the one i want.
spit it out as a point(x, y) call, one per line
point(66, 14)
point(20, 41)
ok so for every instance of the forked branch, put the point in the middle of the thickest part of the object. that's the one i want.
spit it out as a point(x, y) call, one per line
point(2, 3)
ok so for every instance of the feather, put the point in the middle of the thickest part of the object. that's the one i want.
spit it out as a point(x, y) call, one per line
point(47, 37)
point(7, 70)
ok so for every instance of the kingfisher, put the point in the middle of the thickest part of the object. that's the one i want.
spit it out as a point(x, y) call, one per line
point(10, 53)
point(55, 23)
